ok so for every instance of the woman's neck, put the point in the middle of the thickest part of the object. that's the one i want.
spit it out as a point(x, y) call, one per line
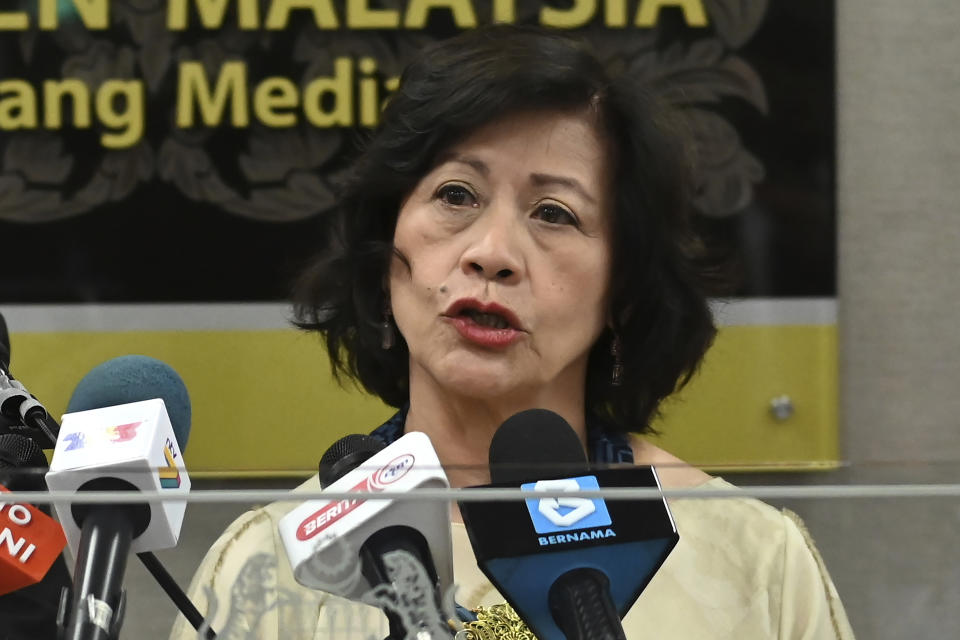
point(461, 428)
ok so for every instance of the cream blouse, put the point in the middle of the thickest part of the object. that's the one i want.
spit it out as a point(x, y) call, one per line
point(742, 570)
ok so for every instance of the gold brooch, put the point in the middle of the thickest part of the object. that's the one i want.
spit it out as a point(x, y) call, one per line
point(499, 622)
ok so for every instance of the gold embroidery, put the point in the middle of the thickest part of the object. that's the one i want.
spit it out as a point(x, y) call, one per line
point(499, 622)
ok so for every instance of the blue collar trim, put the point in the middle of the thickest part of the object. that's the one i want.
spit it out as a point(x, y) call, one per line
point(606, 445)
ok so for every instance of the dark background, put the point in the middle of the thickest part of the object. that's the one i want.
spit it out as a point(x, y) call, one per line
point(157, 245)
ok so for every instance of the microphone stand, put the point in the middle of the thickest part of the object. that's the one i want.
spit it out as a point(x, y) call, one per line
point(98, 598)
point(111, 538)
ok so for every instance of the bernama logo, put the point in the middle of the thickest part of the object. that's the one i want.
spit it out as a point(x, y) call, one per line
point(330, 513)
point(562, 538)
point(566, 513)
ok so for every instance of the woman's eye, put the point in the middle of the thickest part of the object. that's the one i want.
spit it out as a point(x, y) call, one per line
point(555, 214)
point(456, 195)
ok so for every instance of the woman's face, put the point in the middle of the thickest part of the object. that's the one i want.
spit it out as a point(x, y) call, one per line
point(508, 244)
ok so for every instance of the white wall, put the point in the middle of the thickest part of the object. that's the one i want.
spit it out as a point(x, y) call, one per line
point(896, 562)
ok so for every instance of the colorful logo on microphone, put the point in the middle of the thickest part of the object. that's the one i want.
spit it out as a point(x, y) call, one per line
point(75, 440)
point(550, 515)
point(170, 474)
point(116, 433)
point(123, 432)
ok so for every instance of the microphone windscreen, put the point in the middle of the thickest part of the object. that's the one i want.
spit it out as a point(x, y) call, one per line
point(20, 451)
point(345, 455)
point(133, 379)
point(22, 463)
point(535, 443)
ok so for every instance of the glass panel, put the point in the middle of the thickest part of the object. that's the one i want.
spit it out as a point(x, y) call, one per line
point(848, 540)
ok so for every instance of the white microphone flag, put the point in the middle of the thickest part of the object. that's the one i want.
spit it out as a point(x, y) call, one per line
point(131, 442)
point(322, 537)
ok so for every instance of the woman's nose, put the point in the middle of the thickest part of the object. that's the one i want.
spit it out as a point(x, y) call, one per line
point(493, 252)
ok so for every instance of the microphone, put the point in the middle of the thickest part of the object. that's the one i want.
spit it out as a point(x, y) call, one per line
point(6, 423)
point(379, 560)
point(32, 569)
point(132, 379)
point(361, 548)
point(19, 407)
point(131, 446)
point(345, 455)
point(24, 413)
point(30, 540)
point(4, 346)
point(570, 567)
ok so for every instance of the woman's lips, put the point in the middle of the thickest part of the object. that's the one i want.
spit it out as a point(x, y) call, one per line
point(483, 335)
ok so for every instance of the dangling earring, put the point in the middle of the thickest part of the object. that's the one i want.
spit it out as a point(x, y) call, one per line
point(616, 379)
point(387, 337)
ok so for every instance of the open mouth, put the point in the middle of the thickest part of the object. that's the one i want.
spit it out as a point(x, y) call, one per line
point(492, 320)
point(489, 315)
point(486, 324)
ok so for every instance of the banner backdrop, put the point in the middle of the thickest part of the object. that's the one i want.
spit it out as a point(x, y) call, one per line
point(168, 164)
point(159, 151)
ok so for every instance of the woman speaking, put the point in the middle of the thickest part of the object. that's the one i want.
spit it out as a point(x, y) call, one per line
point(515, 235)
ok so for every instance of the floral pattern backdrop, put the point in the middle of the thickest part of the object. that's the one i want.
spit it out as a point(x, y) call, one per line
point(230, 213)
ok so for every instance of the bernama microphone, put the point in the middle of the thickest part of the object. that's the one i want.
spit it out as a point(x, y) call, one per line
point(571, 567)
point(30, 540)
point(360, 547)
point(129, 447)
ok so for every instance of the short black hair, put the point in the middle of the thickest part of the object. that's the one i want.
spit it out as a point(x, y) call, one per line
point(659, 280)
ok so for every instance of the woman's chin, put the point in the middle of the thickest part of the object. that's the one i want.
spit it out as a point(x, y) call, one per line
point(482, 381)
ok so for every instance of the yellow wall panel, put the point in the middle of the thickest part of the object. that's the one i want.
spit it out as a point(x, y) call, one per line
point(723, 418)
point(264, 402)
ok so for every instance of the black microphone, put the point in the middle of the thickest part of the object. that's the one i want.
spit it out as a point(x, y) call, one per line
point(22, 463)
point(30, 611)
point(571, 567)
point(32, 568)
point(5, 423)
point(4, 346)
point(20, 411)
point(345, 455)
point(538, 442)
